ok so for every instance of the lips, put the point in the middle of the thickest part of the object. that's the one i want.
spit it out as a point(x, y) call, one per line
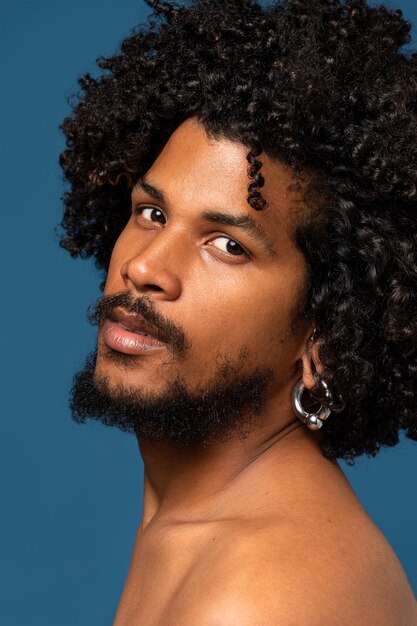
point(131, 333)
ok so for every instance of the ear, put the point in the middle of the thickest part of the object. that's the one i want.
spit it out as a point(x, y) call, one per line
point(312, 366)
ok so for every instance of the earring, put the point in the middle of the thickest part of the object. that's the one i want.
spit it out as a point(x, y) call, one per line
point(314, 421)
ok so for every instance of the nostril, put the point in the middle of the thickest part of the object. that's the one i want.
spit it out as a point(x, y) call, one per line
point(150, 275)
point(153, 287)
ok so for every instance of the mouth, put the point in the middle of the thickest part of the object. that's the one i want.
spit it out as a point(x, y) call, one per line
point(131, 333)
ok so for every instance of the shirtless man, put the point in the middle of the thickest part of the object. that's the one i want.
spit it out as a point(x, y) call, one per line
point(241, 337)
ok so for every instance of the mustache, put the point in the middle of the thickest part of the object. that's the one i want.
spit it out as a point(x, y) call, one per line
point(101, 309)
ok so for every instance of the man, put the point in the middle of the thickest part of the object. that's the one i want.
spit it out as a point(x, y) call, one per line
point(250, 338)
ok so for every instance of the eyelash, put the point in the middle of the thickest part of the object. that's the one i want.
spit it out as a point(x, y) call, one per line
point(139, 211)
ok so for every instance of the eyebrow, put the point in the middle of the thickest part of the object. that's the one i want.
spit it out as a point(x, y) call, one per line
point(245, 222)
point(156, 193)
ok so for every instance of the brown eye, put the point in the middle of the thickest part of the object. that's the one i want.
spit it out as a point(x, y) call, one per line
point(230, 246)
point(151, 213)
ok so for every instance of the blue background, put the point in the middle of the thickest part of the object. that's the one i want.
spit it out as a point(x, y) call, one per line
point(70, 494)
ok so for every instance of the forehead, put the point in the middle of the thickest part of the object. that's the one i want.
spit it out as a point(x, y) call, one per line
point(196, 171)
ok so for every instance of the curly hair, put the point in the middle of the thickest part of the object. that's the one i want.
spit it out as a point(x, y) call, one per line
point(322, 87)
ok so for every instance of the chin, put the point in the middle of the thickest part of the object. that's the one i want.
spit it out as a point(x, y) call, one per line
point(126, 370)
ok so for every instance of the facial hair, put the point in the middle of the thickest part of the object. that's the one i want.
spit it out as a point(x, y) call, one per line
point(225, 405)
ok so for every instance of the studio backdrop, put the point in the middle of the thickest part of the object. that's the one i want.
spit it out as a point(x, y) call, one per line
point(71, 494)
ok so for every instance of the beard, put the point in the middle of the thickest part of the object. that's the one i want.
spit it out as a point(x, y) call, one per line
point(226, 405)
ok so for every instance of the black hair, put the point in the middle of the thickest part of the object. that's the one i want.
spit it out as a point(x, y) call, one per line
point(323, 87)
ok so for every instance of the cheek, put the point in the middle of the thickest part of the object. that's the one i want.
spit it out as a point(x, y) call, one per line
point(254, 314)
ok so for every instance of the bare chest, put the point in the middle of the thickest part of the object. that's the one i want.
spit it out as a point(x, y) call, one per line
point(168, 576)
point(179, 574)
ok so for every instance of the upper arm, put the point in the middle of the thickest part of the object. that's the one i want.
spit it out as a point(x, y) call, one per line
point(255, 611)
point(305, 607)
point(308, 588)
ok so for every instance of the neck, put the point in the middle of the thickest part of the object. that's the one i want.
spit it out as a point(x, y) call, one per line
point(194, 484)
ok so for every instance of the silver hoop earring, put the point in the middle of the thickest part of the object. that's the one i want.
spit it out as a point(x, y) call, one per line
point(314, 421)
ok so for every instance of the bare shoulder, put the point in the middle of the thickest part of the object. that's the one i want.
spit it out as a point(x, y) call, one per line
point(295, 575)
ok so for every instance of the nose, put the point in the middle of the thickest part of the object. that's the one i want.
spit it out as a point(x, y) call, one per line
point(152, 270)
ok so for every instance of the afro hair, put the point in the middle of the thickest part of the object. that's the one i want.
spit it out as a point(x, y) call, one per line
point(322, 87)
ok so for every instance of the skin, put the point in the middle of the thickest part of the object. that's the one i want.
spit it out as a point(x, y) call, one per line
point(260, 531)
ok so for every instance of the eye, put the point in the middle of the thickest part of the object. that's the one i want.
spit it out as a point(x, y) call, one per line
point(230, 246)
point(150, 214)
